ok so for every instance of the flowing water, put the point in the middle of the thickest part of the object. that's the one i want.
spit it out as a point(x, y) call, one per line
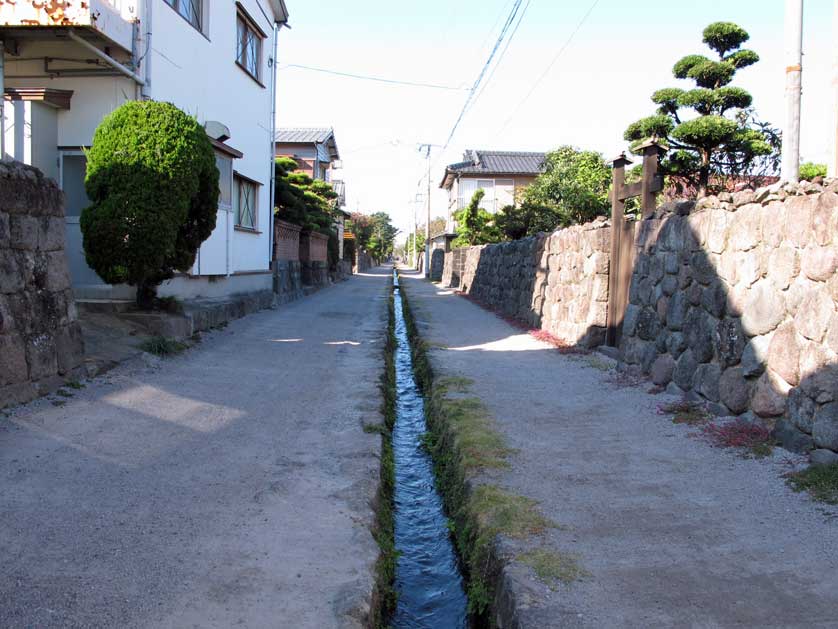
point(428, 577)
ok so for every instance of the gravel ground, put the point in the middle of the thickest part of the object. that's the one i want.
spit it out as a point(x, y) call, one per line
point(671, 531)
point(228, 486)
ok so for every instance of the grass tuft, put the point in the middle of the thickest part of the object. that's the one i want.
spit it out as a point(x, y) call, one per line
point(163, 346)
point(685, 412)
point(500, 512)
point(820, 481)
point(74, 384)
point(550, 566)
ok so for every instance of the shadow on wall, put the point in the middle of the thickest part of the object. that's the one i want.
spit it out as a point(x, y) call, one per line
point(732, 300)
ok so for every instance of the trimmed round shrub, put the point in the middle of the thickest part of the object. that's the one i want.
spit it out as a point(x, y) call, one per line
point(153, 185)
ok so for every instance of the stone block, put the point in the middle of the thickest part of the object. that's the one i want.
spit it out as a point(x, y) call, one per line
point(773, 224)
point(831, 336)
point(706, 381)
point(824, 217)
point(24, 231)
point(755, 355)
point(814, 314)
point(11, 275)
point(801, 410)
point(825, 428)
point(7, 320)
point(783, 266)
point(41, 355)
point(13, 368)
point(4, 230)
point(69, 346)
point(717, 223)
point(735, 390)
point(18, 393)
point(770, 393)
point(745, 231)
point(51, 236)
point(662, 370)
point(819, 263)
point(630, 320)
point(714, 299)
point(703, 269)
point(819, 372)
point(675, 344)
point(648, 326)
point(730, 341)
point(699, 331)
point(791, 438)
point(823, 458)
point(669, 285)
point(784, 353)
point(763, 310)
point(685, 370)
point(748, 266)
point(799, 220)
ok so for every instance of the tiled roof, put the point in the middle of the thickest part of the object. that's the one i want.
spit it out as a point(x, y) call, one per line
point(304, 135)
point(477, 162)
point(500, 162)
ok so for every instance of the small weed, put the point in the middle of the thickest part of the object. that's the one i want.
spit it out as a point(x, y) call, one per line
point(820, 481)
point(375, 429)
point(162, 346)
point(550, 566)
point(498, 511)
point(598, 363)
point(685, 412)
point(64, 393)
point(58, 402)
point(478, 444)
point(458, 384)
point(740, 434)
point(74, 384)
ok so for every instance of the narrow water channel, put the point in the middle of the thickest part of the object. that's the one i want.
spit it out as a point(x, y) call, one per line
point(428, 578)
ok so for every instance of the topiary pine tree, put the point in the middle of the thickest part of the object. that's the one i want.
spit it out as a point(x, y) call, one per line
point(153, 185)
point(710, 143)
point(303, 201)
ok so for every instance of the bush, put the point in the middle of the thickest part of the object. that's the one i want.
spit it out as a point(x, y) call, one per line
point(810, 170)
point(153, 185)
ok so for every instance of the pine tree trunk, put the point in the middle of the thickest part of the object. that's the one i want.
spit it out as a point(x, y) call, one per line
point(146, 295)
point(704, 174)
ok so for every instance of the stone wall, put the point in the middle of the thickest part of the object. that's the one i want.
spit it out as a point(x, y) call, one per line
point(557, 282)
point(437, 262)
point(734, 300)
point(288, 280)
point(40, 339)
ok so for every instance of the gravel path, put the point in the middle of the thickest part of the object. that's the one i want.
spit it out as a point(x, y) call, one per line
point(228, 486)
point(672, 532)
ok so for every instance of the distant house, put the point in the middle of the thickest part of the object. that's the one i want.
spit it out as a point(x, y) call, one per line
point(315, 150)
point(501, 174)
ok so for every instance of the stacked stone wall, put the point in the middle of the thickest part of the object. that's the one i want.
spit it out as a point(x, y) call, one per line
point(557, 282)
point(734, 300)
point(40, 339)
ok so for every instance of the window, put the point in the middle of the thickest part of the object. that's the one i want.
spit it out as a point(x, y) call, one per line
point(225, 181)
point(190, 10)
point(248, 45)
point(246, 202)
point(488, 187)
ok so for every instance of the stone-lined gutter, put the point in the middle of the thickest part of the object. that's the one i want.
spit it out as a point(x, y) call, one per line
point(384, 595)
point(483, 517)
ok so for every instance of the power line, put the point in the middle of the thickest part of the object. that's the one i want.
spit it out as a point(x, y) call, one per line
point(509, 20)
point(549, 66)
point(374, 78)
point(502, 54)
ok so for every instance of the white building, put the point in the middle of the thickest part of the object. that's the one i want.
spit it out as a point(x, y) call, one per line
point(68, 64)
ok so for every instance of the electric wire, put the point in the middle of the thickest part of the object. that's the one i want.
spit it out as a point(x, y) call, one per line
point(549, 67)
point(378, 79)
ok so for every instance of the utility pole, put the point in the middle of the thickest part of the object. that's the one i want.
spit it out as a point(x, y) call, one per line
point(832, 170)
point(794, 70)
point(427, 149)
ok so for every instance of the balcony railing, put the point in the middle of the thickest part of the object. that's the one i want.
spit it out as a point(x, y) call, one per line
point(112, 19)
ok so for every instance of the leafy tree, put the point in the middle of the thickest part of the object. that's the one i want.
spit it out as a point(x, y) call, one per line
point(153, 185)
point(717, 140)
point(303, 201)
point(810, 170)
point(476, 226)
point(572, 189)
point(374, 233)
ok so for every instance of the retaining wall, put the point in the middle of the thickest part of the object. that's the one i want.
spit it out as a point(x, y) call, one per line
point(732, 300)
point(40, 339)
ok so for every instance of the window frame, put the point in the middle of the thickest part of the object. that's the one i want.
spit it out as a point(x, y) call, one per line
point(199, 23)
point(238, 180)
point(246, 25)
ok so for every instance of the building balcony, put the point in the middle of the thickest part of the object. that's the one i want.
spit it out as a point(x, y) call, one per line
point(111, 21)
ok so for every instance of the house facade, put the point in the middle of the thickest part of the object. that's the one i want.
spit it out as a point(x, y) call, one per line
point(67, 65)
point(500, 174)
point(315, 150)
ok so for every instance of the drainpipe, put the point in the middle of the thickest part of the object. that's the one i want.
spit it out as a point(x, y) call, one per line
point(145, 88)
point(272, 126)
point(106, 58)
point(2, 100)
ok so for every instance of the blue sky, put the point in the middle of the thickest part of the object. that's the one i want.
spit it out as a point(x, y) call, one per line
point(601, 83)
